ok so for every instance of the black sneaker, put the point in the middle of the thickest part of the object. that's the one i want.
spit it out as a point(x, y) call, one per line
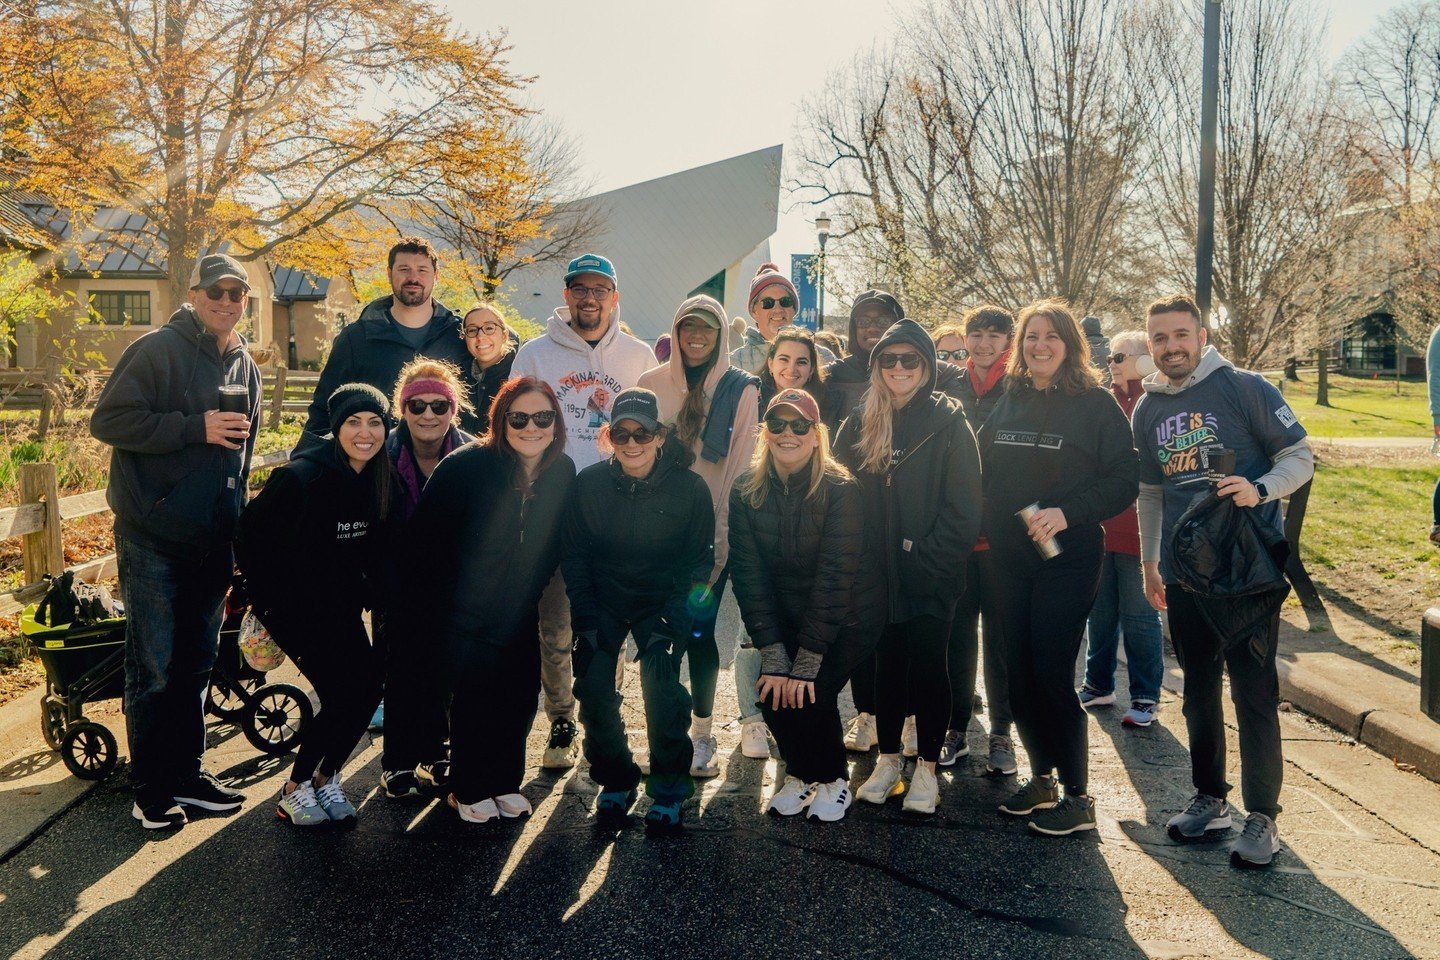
point(207, 793)
point(400, 783)
point(158, 813)
point(435, 775)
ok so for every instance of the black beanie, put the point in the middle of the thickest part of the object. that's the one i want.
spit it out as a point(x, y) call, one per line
point(352, 398)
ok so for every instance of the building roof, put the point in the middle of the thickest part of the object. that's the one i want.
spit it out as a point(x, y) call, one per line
point(668, 236)
point(17, 228)
point(293, 284)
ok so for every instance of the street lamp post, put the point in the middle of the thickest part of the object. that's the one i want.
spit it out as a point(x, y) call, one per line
point(1209, 94)
point(822, 230)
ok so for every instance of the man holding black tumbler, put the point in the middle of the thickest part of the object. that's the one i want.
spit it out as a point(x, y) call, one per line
point(180, 413)
point(1203, 422)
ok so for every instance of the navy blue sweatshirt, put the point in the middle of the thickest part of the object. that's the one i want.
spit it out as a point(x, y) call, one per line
point(169, 489)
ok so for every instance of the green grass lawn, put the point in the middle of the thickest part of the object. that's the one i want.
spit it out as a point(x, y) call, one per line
point(1361, 408)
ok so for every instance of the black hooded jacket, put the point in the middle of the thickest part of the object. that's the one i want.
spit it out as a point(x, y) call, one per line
point(638, 548)
point(922, 513)
point(484, 384)
point(478, 554)
point(169, 488)
point(312, 548)
point(1057, 450)
point(799, 564)
point(371, 350)
point(847, 380)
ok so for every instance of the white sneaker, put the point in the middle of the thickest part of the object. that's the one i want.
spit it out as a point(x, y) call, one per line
point(481, 812)
point(909, 740)
point(513, 805)
point(301, 807)
point(831, 801)
point(862, 738)
point(755, 740)
point(884, 782)
point(705, 762)
point(793, 796)
point(924, 791)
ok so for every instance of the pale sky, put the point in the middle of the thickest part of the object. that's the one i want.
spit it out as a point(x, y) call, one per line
point(655, 88)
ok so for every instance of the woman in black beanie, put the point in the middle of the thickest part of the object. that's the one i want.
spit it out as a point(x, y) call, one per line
point(310, 545)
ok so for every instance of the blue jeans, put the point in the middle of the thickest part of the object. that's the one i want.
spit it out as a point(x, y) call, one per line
point(173, 610)
point(1121, 607)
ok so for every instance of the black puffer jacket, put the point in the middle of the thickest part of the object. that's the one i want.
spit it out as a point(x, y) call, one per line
point(478, 556)
point(800, 568)
point(312, 549)
point(922, 513)
point(637, 548)
point(484, 384)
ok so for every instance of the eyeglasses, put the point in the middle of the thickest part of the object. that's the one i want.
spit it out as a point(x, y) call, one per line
point(950, 354)
point(489, 330)
point(1117, 358)
point(882, 322)
point(438, 407)
point(236, 294)
point(907, 360)
point(595, 293)
point(786, 303)
point(544, 419)
point(799, 426)
point(620, 436)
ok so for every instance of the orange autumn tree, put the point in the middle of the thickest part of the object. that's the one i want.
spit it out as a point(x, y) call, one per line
point(271, 124)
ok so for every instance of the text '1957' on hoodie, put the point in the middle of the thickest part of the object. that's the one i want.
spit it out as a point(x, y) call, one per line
point(585, 379)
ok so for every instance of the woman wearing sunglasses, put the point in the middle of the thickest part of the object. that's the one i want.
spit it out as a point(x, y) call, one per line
point(483, 543)
point(492, 347)
point(1120, 606)
point(912, 450)
point(637, 554)
point(429, 395)
point(1059, 458)
point(810, 595)
point(711, 408)
point(312, 548)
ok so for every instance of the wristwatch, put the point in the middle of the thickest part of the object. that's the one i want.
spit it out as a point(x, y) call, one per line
point(1260, 489)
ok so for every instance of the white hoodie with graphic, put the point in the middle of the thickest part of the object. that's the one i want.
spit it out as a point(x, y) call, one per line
point(585, 379)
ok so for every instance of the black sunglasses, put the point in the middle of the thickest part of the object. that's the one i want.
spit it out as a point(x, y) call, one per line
point(907, 360)
point(799, 426)
point(950, 354)
point(767, 303)
point(544, 419)
point(438, 407)
point(619, 436)
point(236, 294)
point(1117, 358)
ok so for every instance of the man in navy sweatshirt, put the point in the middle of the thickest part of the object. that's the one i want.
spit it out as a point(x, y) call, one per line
point(178, 469)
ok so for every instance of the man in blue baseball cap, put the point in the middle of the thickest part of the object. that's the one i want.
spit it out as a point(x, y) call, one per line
point(587, 360)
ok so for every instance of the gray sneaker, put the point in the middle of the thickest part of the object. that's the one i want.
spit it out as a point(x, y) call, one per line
point(953, 749)
point(300, 807)
point(1071, 815)
point(704, 763)
point(1196, 823)
point(1036, 794)
point(1258, 843)
point(333, 801)
point(1002, 755)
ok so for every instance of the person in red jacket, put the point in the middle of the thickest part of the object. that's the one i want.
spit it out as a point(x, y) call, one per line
point(1121, 607)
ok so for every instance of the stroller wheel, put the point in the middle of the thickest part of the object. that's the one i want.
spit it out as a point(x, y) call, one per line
point(276, 715)
point(227, 700)
point(52, 722)
point(89, 751)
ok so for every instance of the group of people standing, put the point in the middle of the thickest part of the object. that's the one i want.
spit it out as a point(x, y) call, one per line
point(882, 517)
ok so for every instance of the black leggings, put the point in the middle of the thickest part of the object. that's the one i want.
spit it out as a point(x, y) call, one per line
point(416, 723)
point(703, 652)
point(911, 677)
point(1043, 607)
point(979, 600)
point(811, 740)
point(497, 690)
point(345, 671)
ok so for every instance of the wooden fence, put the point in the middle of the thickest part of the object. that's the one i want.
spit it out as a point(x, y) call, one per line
point(38, 518)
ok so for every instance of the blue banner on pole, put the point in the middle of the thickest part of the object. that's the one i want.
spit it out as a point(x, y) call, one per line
point(806, 312)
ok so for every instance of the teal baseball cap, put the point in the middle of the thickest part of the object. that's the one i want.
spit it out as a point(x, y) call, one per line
point(591, 263)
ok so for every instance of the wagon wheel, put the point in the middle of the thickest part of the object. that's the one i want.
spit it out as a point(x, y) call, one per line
point(275, 718)
point(52, 722)
point(226, 700)
point(89, 751)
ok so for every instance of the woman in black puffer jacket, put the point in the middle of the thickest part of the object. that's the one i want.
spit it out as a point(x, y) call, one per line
point(912, 451)
point(811, 598)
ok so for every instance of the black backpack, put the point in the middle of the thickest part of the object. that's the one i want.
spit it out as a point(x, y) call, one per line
point(71, 601)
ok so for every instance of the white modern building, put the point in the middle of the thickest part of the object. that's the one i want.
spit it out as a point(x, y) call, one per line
point(703, 230)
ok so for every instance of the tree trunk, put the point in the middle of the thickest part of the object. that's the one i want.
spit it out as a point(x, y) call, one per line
point(1322, 376)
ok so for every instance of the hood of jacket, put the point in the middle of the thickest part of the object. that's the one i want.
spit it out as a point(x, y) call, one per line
point(325, 455)
point(674, 366)
point(1210, 361)
point(908, 331)
point(558, 329)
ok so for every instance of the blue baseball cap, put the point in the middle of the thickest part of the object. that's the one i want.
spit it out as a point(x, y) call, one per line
point(591, 263)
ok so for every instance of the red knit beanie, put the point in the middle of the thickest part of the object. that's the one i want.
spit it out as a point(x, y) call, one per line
point(768, 274)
